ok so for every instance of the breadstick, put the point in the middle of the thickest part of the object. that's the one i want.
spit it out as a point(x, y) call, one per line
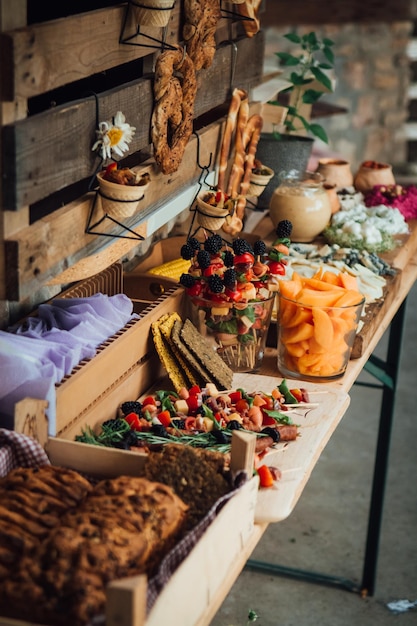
point(237, 96)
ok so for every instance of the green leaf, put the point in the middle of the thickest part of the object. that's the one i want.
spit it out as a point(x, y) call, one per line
point(311, 95)
point(325, 66)
point(287, 59)
point(328, 42)
point(319, 132)
point(311, 38)
point(328, 53)
point(322, 78)
point(297, 79)
point(293, 37)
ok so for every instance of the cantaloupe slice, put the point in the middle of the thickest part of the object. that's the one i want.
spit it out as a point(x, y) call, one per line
point(301, 315)
point(321, 285)
point(312, 297)
point(349, 298)
point(323, 328)
point(299, 333)
point(348, 281)
point(295, 349)
point(290, 288)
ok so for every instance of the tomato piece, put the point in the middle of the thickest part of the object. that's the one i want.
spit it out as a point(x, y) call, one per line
point(193, 403)
point(148, 400)
point(242, 406)
point(267, 420)
point(165, 418)
point(194, 390)
point(235, 396)
point(110, 167)
point(266, 478)
point(297, 393)
point(133, 420)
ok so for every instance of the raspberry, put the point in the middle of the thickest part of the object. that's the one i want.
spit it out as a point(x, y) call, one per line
point(228, 258)
point(259, 248)
point(284, 229)
point(187, 281)
point(203, 259)
point(215, 283)
point(213, 244)
point(187, 252)
point(131, 406)
point(230, 277)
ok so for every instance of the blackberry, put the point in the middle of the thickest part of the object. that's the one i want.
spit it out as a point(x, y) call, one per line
point(187, 251)
point(132, 406)
point(203, 259)
point(284, 229)
point(240, 246)
point(259, 248)
point(187, 281)
point(213, 244)
point(129, 439)
point(228, 258)
point(230, 277)
point(194, 243)
point(215, 283)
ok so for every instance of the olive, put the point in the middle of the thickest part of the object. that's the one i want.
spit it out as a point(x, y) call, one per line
point(234, 425)
point(220, 436)
point(271, 432)
point(159, 430)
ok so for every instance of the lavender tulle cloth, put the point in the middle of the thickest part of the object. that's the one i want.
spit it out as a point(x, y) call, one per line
point(40, 352)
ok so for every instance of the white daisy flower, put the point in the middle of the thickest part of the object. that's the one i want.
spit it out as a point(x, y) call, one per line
point(113, 136)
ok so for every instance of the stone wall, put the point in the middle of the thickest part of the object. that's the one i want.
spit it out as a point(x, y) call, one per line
point(372, 72)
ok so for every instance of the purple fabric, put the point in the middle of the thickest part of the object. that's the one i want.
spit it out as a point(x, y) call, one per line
point(40, 352)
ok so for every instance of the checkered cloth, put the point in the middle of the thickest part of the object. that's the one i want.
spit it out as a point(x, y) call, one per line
point(17, 450)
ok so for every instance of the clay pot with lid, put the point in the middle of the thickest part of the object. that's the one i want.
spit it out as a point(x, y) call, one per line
point(336, 172)
point(371, 173)
point(302, 199)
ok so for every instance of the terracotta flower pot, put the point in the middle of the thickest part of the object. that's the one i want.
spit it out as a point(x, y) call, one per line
point(372, 173)
point(336, 172)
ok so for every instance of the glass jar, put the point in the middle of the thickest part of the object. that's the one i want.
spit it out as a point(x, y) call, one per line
point(302, 199)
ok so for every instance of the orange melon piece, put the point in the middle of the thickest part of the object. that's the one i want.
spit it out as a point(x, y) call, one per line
point(296, 349)
point(299, 333)
point(286, 312)
point(301, 315)
point(289, 288)
point(348, 281)
point(314, 347)
point(349, 298)
point(331, 278)
point(323, 328)
point(312, 297)
point(320, 285)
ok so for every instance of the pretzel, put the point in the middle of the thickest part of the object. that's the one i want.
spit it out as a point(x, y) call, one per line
point(172, 116)
point(237, 96)
point(251, 135)
point(201, 17)
point(237, 170)
point(250, 10)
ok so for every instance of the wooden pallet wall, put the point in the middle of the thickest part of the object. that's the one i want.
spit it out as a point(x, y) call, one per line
point(55, 74)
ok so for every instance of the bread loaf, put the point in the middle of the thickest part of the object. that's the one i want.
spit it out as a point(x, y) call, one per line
point(120, 527)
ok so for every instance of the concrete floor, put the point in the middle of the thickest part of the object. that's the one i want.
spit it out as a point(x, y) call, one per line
point(326, 532)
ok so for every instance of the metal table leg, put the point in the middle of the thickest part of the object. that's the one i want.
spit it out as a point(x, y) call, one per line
point(386, 372)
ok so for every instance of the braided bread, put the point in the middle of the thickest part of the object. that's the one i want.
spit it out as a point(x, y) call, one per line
point(172, 116)
point(201, 17)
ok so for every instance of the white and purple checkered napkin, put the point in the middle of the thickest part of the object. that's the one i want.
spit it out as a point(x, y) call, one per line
point(17, 450)
point(37, 354)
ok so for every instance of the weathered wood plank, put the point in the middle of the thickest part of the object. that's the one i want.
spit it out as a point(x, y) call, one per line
point(48, 55)
point(287, 12)
point(52, 150)
point(57, 250)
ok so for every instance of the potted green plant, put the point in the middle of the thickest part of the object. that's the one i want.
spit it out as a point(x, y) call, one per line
point(290, 147)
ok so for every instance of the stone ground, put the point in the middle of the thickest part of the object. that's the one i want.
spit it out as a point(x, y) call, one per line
point(326, 532)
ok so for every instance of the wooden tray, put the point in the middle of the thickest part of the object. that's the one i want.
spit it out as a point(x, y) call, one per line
point(296, 459)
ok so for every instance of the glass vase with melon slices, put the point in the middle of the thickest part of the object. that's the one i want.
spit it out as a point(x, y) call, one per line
point(317, 322)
